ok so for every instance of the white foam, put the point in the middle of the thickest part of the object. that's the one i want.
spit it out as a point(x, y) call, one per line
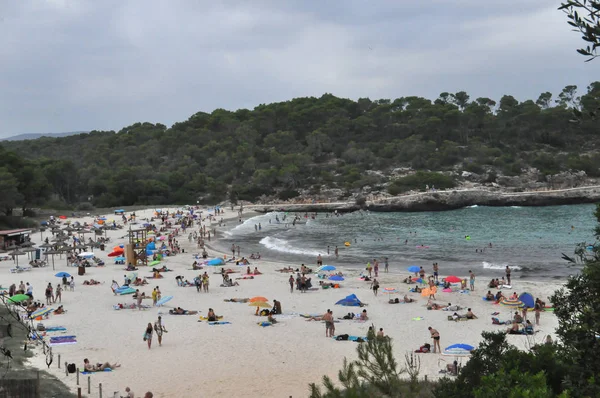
point(472, 207)
point(487, 265)
point(248, 225)
point(283, 246)
point(516, 207)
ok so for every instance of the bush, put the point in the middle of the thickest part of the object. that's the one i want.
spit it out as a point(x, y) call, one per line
point(85, 206)
point(419, 181)
point(288, 194)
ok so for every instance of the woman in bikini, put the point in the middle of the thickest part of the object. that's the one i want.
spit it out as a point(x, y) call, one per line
point(148, 335)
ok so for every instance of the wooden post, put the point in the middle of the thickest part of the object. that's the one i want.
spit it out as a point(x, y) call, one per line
point(89, 384)
point(37, 390)
point(66, 368)
point(77, 376)
point(100, 389)
point(78, 392)
point(59, 361)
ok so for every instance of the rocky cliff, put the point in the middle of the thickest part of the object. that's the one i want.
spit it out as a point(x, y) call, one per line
point(450, 200)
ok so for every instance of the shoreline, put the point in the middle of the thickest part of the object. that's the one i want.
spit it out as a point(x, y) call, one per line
point(446, 200)
point(237, 358)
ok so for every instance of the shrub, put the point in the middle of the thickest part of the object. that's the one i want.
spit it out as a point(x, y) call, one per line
point(419, 181)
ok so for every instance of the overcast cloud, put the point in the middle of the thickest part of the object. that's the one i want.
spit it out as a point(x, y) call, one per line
point(84, 65)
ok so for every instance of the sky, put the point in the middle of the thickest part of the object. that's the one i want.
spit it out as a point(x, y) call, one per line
point(103, 65)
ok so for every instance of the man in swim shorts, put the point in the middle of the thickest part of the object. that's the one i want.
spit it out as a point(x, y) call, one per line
point(328, 318)
point(435, 335)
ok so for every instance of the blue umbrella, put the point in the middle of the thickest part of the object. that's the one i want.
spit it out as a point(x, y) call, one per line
point(460, 347)
point(336, 278)
point(102, 218)
point(63, 274)
point(326, 268)
point(414, 268)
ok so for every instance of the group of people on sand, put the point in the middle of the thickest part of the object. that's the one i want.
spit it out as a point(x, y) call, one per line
point(158, 328)
point(53, 296)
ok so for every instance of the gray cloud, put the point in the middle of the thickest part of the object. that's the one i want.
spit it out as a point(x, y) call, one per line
point(82, 65)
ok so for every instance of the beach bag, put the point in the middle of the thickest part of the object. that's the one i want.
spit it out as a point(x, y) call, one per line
point(71, 368)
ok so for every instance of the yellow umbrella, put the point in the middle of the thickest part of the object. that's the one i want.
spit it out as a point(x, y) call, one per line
point(258, 298)
point(260, 304)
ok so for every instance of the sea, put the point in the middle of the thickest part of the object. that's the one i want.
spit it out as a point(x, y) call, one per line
point(531, 240)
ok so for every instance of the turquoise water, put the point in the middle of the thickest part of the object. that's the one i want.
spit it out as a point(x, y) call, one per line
point(528, 239)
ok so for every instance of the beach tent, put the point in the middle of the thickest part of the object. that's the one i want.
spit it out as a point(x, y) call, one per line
point(350, 301)
point(216, 261)
point(458, 350)
point(527, 300)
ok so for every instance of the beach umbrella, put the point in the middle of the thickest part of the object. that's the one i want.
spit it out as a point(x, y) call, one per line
point(350, 301)
point(52, 253)
point(40, 312)
point(336, 278)
point(326, 268)
point(86, 255)
point(512, 303)
point(153, 263)
point(63, 274)
point(62, 217)
point(115, 254)
point(414, 268)
point(45, 245)
point(527, 299)
point(102, 218)
point(260, 304)
point(27, 244)
point(458, 350)
point(390, 290)
point(16, 253)
point(258, 299)
point(19, 298)
point(163, 300)
point(453, 279)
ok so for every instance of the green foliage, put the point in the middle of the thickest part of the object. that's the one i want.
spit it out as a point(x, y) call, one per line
point(419, 181)
point(584, 17)
point(374, 374)
point(294, 145)
point(513, 384)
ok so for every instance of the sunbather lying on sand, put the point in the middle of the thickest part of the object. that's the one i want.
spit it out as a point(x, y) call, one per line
point(408, 299)
point(237, 300)
point(99, 366)
point(288, 269)
point(140, 282)
point(434, 306)
point(91, 282)
point(59, 310)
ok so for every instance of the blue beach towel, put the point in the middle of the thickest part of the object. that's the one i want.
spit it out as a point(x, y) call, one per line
point(85, 372)
point(219, 323)
point(55, 329)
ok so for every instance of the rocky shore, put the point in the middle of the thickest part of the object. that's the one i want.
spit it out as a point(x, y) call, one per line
point(446, 200)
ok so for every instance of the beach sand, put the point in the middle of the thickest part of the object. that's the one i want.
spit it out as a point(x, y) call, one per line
point(243, 359)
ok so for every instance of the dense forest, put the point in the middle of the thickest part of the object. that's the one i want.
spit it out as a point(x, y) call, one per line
point(305, 144)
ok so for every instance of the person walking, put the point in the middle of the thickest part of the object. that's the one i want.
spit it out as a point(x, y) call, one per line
point(386, 265)
point(159, 328)
point(538, 310)
point(435, 335)
point(508, 275)
point(291, 281)
point(375, 286)
point(148, 335)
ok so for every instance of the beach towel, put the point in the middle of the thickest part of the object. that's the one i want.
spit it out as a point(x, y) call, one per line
point(85, 372)
point(344, 337)
point(219, 323)
point(59, 340)
point(265, 324)
point(55, 329)
point(310, 315)
point(172, 312)
point(418, 318)
point(125, 290)
point(203, 318)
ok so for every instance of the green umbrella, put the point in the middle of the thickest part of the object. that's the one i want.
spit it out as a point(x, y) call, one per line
point(18, 298)
point(153, 263)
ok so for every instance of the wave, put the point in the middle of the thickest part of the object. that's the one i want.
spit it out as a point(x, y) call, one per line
point(487, 265)
point(248, 225)
point(471, 207)
point(516, 207)
point(284, 246)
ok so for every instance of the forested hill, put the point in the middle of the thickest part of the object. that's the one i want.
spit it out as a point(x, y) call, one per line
point(282, 147)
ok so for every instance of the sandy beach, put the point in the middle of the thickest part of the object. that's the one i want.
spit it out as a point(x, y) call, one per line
point(243, 359)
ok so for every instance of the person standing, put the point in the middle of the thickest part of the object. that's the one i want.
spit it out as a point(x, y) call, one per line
point(49, 294)
point(291, 281)
point(148, 335)
point(538, 310)
point(58, 293)
point(319, 260)
point(472, 280)
point(159, 328)
point(337, 252)
point(238, 250)
point(154, 297)
point(328, 318)
point(369, 268)
point(436, 271)
point(376, 267)
point(435, 335)
point(205, 282)
point(233, 249)
point(508, 274)
point(387, 265)
point(328, 250)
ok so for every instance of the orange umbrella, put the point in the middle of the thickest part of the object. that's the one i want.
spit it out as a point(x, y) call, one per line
point(260, 304)
point(258, 299)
